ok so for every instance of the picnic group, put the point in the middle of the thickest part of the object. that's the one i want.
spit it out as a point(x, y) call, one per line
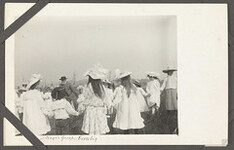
point(120, 105)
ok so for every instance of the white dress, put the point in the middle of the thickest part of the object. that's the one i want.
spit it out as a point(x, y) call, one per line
point(95, 121)
point(128, 114)
point(142, 101)
point(34, 117)
point(47, 103)
point(153, 88)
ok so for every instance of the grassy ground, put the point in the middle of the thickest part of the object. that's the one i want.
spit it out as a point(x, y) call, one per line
point(162, 122)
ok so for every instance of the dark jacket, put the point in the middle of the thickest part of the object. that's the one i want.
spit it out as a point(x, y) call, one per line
point(72, 92)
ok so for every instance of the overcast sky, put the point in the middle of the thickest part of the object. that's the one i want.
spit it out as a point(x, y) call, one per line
point(61, 46)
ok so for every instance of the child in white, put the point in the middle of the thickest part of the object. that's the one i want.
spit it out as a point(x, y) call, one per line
point(153, 88)
point(61, 109)
point(33, 105)
point(141, 94)
point(94, 102)
point(127, 105)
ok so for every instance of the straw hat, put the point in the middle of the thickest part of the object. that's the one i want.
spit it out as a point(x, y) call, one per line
point(153, 74)
point(97, 72)
point(115, 74)
point(169, 69)
point(124, 74)
point(34, 79)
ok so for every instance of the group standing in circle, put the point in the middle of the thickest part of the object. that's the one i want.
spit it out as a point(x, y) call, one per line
point(122, 98)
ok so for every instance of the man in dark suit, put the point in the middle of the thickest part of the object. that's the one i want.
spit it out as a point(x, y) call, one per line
point(72, 93)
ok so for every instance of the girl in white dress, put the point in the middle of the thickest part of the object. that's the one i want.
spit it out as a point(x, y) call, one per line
point(33, 105)
point(128, 116)
point(141, 97)
point(153, 88)
point(94, 104)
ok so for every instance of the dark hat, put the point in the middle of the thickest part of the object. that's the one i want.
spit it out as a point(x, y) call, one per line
point(58, 93)
point(169, 69)
point(63, 78)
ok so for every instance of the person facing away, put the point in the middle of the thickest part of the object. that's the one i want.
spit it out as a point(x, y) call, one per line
point(128, 117)
point(141, 97)
point(94, 101)
point(61, 110)
point(33, 104)
point(72, 93)
point(153, 88)
point(170, 87)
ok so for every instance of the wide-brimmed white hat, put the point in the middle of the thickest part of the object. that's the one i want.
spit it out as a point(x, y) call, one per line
point(124, 74)
point(34, 79)
point(97, 72)
point(169, 69)
point(153, 74)
point(114, 74)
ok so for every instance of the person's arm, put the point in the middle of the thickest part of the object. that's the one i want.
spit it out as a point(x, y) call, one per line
point(70, 110)
point(117, 96)
point(144, 93)
point(163, 85)
point(75, 91)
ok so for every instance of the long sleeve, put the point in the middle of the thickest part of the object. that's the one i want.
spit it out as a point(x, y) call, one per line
point(108, 97)
point(74, 90)
point(143, 92)
point(70, 110)
point(164, 84)
point(117, 96)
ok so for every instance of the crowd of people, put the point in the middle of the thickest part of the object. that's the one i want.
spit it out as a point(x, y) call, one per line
point(102, 106)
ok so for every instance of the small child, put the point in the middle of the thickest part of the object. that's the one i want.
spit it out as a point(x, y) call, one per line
point(61, 109)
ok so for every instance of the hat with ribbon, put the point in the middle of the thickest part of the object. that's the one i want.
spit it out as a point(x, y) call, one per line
point(153, 74)
point(124, 74)
point(97, 72)
point(34, 79)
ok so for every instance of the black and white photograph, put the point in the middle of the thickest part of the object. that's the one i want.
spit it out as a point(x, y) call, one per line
point(112, 74)
point(102, 75)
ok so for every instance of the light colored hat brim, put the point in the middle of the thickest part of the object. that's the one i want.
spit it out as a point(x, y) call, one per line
point(96, 75)
point(32, 82)
point(153, 74)
point(97, 72)
point(124, 74)
point(34, 79)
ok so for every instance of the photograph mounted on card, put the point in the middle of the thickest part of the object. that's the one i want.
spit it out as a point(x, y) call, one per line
point(114, 74)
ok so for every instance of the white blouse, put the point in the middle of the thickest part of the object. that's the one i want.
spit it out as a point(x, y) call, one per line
point(170, 82)
point(61, 109)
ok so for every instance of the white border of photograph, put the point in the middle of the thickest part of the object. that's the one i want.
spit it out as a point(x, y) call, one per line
point(202, 55)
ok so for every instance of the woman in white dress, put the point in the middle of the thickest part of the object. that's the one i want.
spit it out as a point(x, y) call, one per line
point(128, 117)
point(33, 105)
point(142, 95)
point(153, 88)
point(94, 104)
